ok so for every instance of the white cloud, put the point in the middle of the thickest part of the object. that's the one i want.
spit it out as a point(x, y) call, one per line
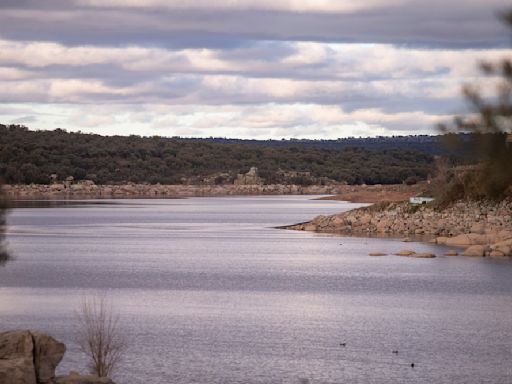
point(261, 121)
point(283, 89)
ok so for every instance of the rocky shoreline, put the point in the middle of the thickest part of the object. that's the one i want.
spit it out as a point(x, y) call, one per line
point(91, 190)
point(86, 189)
point(482, 228)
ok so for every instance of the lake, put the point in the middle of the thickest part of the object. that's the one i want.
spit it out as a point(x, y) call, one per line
point(209, 292)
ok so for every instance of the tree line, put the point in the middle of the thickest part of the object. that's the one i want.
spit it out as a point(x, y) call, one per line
point(28, 156)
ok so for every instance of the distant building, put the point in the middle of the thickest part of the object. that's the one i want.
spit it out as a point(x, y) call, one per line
point(420, 200)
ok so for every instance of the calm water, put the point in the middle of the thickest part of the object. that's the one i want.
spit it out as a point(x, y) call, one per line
point(210, 293)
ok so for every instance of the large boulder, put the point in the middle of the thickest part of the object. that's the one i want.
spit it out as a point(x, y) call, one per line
point(466, 240)
point(475, 250)
point(504, 246)
point(29, 357)
point(16, 358)
point(48, 353)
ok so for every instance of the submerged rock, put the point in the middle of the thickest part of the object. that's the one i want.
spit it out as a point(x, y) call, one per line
point(423, 255)
point(405, 253)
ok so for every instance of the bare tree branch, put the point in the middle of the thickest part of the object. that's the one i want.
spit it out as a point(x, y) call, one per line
point(99, 335)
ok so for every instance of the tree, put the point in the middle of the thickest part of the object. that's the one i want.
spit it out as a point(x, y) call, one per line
point(490, 132)
point(99, 335)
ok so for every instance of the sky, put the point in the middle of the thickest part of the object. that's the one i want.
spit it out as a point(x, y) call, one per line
point(263, 69)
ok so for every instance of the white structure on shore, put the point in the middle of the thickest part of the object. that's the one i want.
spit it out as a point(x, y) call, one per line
point(420, 200)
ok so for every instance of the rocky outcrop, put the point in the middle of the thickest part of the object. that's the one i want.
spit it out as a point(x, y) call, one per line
point(249, 178)
point(47, 354)
point(30, 357)
point(485, 228)
point(16, 358)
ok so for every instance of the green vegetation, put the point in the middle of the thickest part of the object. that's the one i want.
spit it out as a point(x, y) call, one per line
point(32, 156)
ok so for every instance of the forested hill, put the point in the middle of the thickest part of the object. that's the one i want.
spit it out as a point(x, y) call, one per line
point(420, 143)
point(28, 156)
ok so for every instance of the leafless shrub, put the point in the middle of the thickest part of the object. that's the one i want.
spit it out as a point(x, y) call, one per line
point(99, 335)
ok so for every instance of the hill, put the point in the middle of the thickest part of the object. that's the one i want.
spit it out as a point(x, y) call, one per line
point(28, 156)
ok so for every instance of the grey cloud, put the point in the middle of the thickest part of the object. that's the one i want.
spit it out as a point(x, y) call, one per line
point(24, 120)
point(252, 49)
point(417, 23)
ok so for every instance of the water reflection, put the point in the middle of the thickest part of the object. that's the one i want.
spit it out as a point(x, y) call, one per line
point(4, 254)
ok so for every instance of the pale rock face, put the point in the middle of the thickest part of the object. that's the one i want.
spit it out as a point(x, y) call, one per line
point(459, 241)
point(475, 250)
point(16, 360)
point(505, 249)
point(48, 353)
point(478, 228)
point(496, 254)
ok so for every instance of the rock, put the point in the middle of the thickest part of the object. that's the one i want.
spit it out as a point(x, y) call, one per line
point(505, 235)
point(16, 359)
point(75, 378)
point(377, 254)
point(30, 357)
point(505, 249)
point(477, 228)
point(504, 246)
point(451, 253)
point(48, 353)
point(423, 255)
point(496, 254)
point(249, 178)
point(475, 250)
point(406, 240)
point(405, 253)
point(310, 227)
point(459, 241)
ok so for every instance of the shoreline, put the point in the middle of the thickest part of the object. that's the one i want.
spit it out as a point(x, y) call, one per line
point(89, 190)
point(481, 228)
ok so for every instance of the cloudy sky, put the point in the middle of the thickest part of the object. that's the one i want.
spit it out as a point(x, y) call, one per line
point(243, 68)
